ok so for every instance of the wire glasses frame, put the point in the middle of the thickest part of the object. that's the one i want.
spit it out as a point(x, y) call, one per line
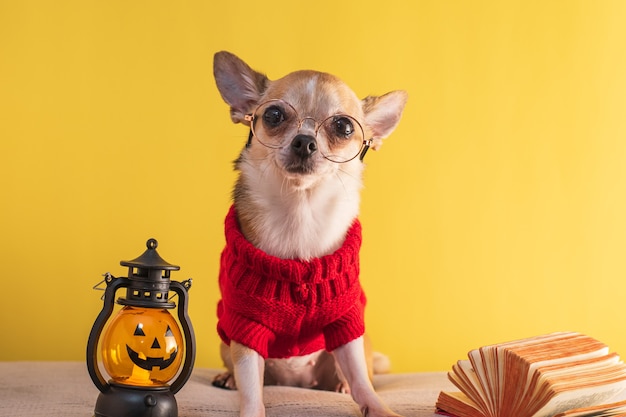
point(277, 116)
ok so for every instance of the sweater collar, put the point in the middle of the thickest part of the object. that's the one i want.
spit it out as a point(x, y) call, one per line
point(315, 270)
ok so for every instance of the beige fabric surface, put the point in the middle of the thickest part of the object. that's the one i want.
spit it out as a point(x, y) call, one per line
point(64, 389)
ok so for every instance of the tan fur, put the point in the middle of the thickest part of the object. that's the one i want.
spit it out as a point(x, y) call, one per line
point(300, 207)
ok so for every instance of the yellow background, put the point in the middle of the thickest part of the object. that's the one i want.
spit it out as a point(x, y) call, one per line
point(497, 209)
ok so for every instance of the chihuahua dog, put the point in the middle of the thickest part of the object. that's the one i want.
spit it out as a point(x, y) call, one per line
point(292, 307)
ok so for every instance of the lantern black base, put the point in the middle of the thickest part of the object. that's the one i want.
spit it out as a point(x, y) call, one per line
point(127, 401)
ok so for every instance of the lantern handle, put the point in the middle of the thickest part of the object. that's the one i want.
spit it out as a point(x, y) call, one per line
point(113, 284)
point(190, 339)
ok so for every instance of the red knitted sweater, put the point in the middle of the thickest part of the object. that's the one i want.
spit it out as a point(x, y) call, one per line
point(282, 307)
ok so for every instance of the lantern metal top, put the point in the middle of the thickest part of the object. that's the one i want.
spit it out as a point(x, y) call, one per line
point(150, 259)
point(149, 277)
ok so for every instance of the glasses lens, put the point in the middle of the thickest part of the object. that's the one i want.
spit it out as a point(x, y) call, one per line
point(273, 122)
point(345, 138)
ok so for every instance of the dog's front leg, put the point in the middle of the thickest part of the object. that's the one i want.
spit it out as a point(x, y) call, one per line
point(248, 369)
point(351, 360)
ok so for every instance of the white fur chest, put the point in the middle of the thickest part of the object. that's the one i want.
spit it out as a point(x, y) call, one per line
point(293, 219)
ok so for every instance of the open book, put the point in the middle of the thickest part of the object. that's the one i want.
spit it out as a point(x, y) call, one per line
point(560, 374)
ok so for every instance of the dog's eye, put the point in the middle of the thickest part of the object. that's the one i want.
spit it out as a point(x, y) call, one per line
point(343, 127)
point(273, 116)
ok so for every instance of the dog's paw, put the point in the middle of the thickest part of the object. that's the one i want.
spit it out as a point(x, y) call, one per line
point(342, 388)
point(225, 381)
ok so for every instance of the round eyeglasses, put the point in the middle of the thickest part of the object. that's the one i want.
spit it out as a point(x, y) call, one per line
point(276, 119)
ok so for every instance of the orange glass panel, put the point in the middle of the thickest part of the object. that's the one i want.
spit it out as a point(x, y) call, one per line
point(142, 346)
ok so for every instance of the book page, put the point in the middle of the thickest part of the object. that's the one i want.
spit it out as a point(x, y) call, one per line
point(611, 409)
point(567, 400)
point(593, 372)
point(464, 377)
point(481, 368)
point(523, 360)
point(457, 404)
point(514, 373)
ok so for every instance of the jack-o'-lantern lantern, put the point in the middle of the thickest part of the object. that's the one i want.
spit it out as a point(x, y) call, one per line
point(142, 348)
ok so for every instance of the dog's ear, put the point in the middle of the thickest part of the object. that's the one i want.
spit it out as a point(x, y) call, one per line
point(240, 86)
point(382, 114)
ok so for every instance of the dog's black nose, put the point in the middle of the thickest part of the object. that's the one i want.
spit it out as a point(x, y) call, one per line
point(304, 145)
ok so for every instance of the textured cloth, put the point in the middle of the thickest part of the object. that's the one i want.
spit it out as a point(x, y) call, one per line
point(63, 389)
point(289, 307)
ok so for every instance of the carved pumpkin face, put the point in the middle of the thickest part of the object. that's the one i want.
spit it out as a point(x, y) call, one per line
point(142, 346)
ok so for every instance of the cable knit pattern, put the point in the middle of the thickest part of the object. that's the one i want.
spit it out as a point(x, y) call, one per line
point(283, 307)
